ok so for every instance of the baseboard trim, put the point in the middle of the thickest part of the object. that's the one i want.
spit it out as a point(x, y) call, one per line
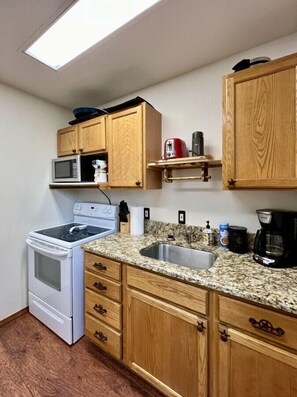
point(14, 316)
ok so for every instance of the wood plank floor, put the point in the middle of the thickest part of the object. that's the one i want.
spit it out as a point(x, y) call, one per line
point(35, 362)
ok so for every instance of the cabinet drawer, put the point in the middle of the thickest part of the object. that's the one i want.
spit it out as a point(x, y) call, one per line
point(104, 286)
point(171, 290)
point(103, 266)
point(103, 336)
point(104, 309)
point(259, 321)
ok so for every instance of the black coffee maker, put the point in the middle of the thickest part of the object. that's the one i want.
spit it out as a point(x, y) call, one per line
point(276, 242)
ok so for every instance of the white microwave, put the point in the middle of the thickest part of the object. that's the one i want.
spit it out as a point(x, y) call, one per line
point(67, 169)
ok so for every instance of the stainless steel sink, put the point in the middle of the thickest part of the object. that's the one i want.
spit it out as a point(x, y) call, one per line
point(192, 258)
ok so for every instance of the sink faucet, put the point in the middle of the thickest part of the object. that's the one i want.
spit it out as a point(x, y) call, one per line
point(189, 237)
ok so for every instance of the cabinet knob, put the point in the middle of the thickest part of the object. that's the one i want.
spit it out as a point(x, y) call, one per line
point(99, 266)
point(100, 336)
point(73, 150)
point(81, 150)
point(100, 286)
point(138, 183)
point(224, 336)
point(200, 326)
point(231, 182)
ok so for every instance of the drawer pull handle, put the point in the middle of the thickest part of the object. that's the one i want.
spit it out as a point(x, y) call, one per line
point(100, 336)
point(99, 266)
point(266, 326)
point(100, 286)
point(200, 326)
point(100, 309)
point(224, 336)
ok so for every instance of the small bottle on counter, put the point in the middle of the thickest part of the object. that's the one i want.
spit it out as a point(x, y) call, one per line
point(207, 235)
point(224, 235)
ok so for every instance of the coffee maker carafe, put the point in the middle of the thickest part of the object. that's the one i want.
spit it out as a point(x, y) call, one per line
point(276, 242)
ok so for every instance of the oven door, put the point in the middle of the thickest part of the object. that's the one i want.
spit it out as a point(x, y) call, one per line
point(50, 275)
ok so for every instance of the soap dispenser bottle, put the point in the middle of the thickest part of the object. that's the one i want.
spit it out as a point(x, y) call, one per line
point(207, 235)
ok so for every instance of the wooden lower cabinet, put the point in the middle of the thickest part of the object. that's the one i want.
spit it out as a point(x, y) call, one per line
point(256, 356)
point(103, 303)
point(185, 340)
point(166, 344)
point(250, 367)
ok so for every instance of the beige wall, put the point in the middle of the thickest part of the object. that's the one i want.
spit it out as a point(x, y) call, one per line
point(28, 142)
point(193, 102)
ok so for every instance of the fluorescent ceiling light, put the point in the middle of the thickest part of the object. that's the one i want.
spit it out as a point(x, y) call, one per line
point(86, 23)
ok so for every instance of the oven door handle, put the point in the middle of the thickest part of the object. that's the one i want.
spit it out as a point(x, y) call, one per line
point(41, 250)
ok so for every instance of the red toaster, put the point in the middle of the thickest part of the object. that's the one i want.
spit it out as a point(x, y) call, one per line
point(175, 148)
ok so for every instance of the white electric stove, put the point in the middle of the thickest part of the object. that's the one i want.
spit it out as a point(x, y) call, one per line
point(56, 267)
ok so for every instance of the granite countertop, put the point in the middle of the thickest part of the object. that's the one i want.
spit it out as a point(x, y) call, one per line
point(235, 274)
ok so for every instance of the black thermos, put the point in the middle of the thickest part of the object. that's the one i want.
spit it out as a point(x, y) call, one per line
point(197, 144)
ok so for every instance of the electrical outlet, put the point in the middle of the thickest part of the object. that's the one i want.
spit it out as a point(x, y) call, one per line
point(182, 217)
point(146, 213)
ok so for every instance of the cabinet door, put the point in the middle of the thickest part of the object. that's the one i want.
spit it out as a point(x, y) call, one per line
point(92, 135)
point(164, 346)
point(259, 127)
point(67, 143)
point(125, 148)
point(250, 367)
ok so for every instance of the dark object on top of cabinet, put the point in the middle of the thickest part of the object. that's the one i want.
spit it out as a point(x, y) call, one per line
point(246, 63)
point(125, 105)
point(84, 112)
point(85, 118)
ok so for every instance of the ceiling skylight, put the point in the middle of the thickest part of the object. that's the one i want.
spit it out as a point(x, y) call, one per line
point(85, 24)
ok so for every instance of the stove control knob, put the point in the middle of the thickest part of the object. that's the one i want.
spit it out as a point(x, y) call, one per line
point(109, 210)
point(77, 207)
point(105, 211)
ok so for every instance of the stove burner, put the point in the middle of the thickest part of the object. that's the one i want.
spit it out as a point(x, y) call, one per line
point(75, 235)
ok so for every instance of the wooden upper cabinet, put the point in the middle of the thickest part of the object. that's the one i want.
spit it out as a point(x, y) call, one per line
point(67, 144)
point(259, 126)
point(134, 138)
point(84, 138)
point(92, 135)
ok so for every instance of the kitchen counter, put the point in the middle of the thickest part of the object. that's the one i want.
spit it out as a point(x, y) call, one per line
point(231, 273)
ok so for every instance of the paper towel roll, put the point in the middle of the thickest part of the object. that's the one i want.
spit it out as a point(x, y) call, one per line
point(137, 220)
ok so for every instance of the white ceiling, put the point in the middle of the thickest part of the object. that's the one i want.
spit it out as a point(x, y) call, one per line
point(174, 37)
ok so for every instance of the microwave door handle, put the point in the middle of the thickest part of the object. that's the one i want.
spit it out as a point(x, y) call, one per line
point(42, 250)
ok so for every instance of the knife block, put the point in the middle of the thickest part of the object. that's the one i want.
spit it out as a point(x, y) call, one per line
point(125, 226)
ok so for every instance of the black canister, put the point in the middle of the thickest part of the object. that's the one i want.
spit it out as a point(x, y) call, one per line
point(238, 239)
point(197, 144)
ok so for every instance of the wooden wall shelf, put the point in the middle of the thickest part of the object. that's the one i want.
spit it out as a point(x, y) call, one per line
point(202, 162)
